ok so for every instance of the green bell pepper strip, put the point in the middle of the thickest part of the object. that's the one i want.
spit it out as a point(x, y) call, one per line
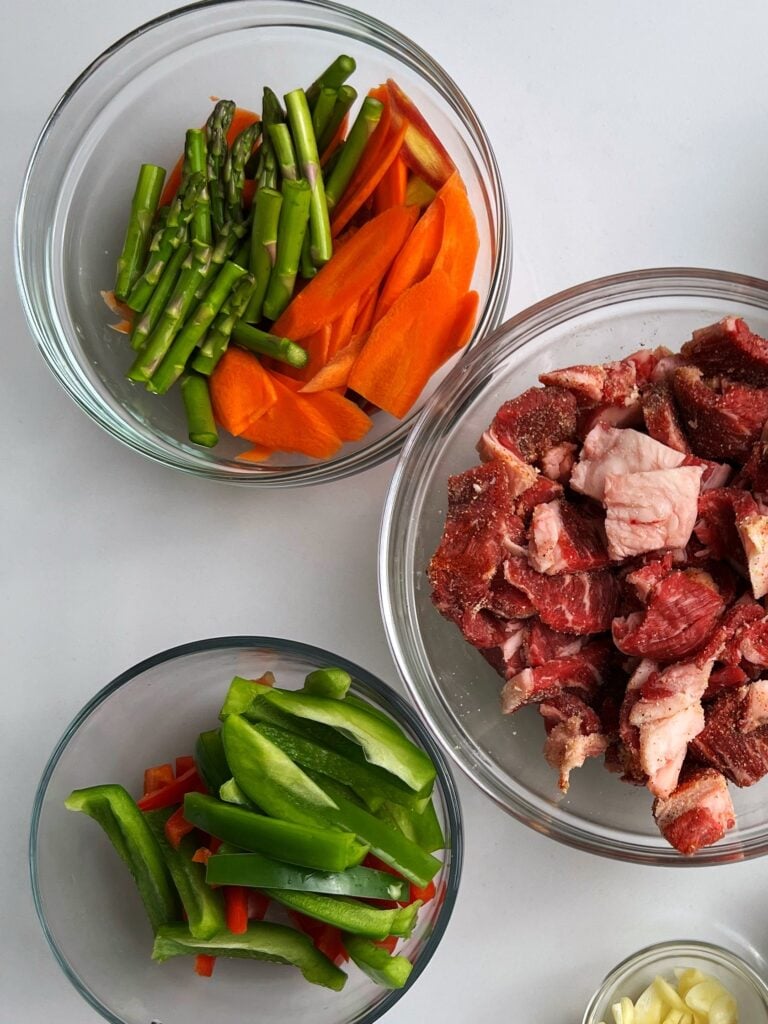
point(211, 760)
point(349, 914)
point(203, 905)
point(263, 940)
point(320, 849)
point(383, 969)
point(386, 842)
point(240, 696)
point(129, 832)
point(259, 872)
point(328, 682)
point(231, 793)
point(373, 784)
point(423, 829)
point(383, 743)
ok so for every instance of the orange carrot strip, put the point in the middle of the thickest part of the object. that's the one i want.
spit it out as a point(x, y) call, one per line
point(347, 419)
point(259, 453)
point(350, 273)
point(293, 424)
point(423, 152)
point(241, 390)
point(407, 345)
point(353, 200)
point(335, 373)
point(463, 325)
point(336, 141)
point(460, 244)
point(365, 311)
point(123, 327)
point(415, 259)
point(341, 331)
point(392, 188)
point(114, 305)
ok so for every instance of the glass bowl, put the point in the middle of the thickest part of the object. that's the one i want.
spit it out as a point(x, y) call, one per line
point(71, 215)
point(85, 898)
point(635, 973)
point(456, 691)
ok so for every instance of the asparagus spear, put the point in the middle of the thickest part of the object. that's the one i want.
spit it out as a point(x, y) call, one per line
point(234, 170)
point(143, 325)
point(271, 113)
point(185, 342)
point(334, 76)
point(322, 110)
point(143, 208)
point(291, 229)
point(174, 314)
point(345, 97)
point(283, 349)
point(216, 129)
point(283, 145)
point(300, 121)
point(165, 242)
point(306, 266)
point(266, 216)
point(196, 159)
point(352, 150)
point(215, 343)
point(201, 425)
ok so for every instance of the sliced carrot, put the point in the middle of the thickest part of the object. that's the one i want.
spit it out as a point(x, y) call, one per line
point(123, 327)
point(241, 390)
point(418, 192)
point(415, 259)
point(336, 141)
point(341, 331)
point(293, 424)
point(463, 324)
point(354, 270)
point(114, 305)
point(365, 311)
point(460, 244)
point(335, 373)
point(259, 453)
point(423, 152)
point(407, 345)
point(347, 419)
point(392, 188)
point(353, 200)
point(242, 119)
point(201, 855)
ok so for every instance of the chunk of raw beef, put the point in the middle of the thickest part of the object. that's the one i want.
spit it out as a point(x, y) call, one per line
point(729, 349)
point(604, 384)
point(564, 538)
point(583, 672)
point(543, 644)
point(612, 450)
point(662, 419)
point(535, 421)
point(649, 511)
point(558, 461)
point(521, 476)
point(698, 813)
point(741, 756)
point(722, 418)
point(579, 602)
point(574, 733)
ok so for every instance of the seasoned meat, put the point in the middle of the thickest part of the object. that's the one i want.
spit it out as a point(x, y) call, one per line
point(698, 813)
point(574, 733)
point(649, 511)
point(578, 602)
point(564, 538)
point(722, 418)
point(611, 450)
point(729, 349)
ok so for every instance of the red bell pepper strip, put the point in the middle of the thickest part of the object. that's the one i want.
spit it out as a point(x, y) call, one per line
point(389, 943)
point(177, 827)
point(204, 965)
point(157, 777)
point(423, 893)
point(201, 855)
point(236, 903)
point(173, 792)
point(308, 925)
point(184, 763)
point(258, 904)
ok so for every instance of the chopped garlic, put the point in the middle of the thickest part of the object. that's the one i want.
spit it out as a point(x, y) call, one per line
point(697, 999)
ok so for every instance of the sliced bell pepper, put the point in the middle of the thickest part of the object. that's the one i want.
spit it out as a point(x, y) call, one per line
point(424, 894)
point(320, 849)
point(204, 965)
point(423, 829)
point(373, 784)
point(183, 763)
point(383, 743)
point(211, 760)
point(258, 871)
point(176, 827)
point(231, 793)
point(348, 914)
point(390, 943)
point(376, 961)
point(328, 682)
point(263, 940)
point(240, 695)
point(236, 904)
point(114, 809)
point(258, 904)
point(157, 777)
point(173, 793)
point(203, 905)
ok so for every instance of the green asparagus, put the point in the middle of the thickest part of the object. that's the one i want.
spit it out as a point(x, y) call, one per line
point(352, 150)
point(282, 349)
point(283, 144)
point(216, 129)
point(334, 76)
point(143, 325)
point(196, 160)
point(263, 248)
point(201, 425)
point(137, 237)
point(215, 342)
point(290, 236)
point(234, 170)
point(323, 110)
point(271, 113)
point(345, 97)
point(300, 121)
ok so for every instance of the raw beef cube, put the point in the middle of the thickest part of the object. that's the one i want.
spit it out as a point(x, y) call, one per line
point(650, 510)
point(574, 733)
point(579, 602)
point(662, 420)
point(756, 468)
point(722, 419)
point(534, 422)
point(540, 493)
point(557, 462)
point(543, 644)
point(729, 349)
point(508, 657)
point(629, 734)
point(646, 361)
point(584, 672)
point(611, 450)
point(665, 368)
point(608, 383)
point(716, 524)
point(731, 525)
point(716, 474)
point(698, 813)
point(669, 715)
point(645, 578)
point(741, 756)
point(564, 538)
point(753, 532)
point(616, 416)
point(521, 476)
point(681, 613)
point(506, 601)
point(753, 642)
point(754, 710)
point(481, 628)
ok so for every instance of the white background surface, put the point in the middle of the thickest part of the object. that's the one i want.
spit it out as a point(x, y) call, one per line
point(629, 134)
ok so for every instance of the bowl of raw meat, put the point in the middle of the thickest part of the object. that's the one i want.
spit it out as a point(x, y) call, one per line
point(574, 563)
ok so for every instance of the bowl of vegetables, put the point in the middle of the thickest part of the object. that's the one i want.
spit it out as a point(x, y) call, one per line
point(225, 268)
point(572, 567)
point(680, 982)
point(264, 812)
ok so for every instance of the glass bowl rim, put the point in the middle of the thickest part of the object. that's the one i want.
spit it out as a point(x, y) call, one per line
point(726, 958)
point(463, 382)
point(54, 345)
point(282, 646)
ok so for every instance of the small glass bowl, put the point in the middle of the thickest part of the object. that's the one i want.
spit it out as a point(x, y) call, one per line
point(634, 974)
point(85, 898)
point(456, 691)
point(133, 103)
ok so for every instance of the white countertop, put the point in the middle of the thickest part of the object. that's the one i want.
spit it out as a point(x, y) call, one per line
point(629, 135)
